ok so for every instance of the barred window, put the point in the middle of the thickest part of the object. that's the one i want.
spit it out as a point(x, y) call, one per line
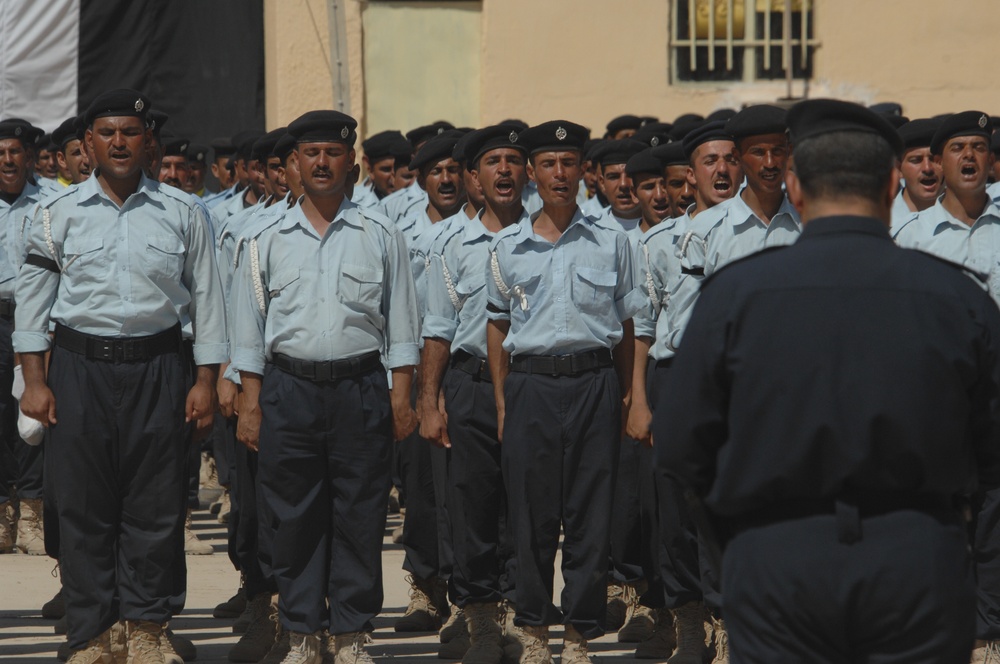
point(742, 40)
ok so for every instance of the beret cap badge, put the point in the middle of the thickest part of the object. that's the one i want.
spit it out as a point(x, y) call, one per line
point(18, 131)
point(561, 134)
point(138, 105)
point(344, 132)
point(654, 141)
point(983, 120)
point(513, 137)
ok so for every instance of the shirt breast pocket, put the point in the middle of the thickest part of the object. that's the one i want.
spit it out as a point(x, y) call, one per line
point(164, 256)
point(594, 289)
point(468, 287)
point(84, 254)
point(361, 286)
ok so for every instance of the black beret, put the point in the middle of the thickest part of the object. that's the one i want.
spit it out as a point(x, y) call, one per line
point(653, 134)
point(708, 131)
point(918, 133)
point(401, 150)
point(244, 144)
point(815, 117)
point(589, 146)
point(436, 149)
point(483, 140)
point(223, 147)
point(263, 147)
point(629, 122)
point(887, 108)
point(672, 154)
point(80, 126)
point(64, 133)
point(30, 135)
point(19, 129)
point(757, 120)
point(421, 134)
point(379, 146)
point(45, 142)
point(123, 101)
point(966, 123)
point(723, 114)
point(519, 125)
point(197, 152)
point(173, 146)
point(555, 136)
point(155, 121)
point(688, 117)
point(458, 152)
point(324, 127)
point(683, 127)
point(896, 121)
point(644, 161)
point(619, 151)
point(284, 147)
point(995, 142)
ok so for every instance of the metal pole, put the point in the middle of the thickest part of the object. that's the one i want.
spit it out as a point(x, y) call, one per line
point(339, 74)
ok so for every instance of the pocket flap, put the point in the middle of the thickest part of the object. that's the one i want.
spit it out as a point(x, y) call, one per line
point(597, 277)
point(81, 245)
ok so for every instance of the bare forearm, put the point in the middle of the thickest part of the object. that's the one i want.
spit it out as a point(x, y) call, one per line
point(624, 354)
point(433, 362)
point(498, 358)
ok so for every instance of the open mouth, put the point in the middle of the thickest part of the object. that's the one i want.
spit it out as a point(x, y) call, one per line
point(561, 189)
point(446, 190)
point(969, 170)
point(928, 182)
point(321, 175)
point(770, 176)
point(722, 185)
point(505, 187)
point(661, 208)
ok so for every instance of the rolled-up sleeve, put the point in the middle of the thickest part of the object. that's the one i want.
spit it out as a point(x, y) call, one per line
point(248, 321)
point(208, 306)
point(399, 307)
point(35, 291)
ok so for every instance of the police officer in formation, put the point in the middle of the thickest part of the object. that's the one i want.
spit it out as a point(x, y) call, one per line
point(536, 331)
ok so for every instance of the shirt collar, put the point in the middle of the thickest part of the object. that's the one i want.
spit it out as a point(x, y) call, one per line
point(840, 224)
point(91, 187)
point(347, 213)
point(474, 229)
point(526, 230)
point(939, 215)
point(745, 216)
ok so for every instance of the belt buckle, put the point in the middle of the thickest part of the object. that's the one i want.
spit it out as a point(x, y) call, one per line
point(562, 365)
point(323, 371)
point(128, 350)
point(104, 349)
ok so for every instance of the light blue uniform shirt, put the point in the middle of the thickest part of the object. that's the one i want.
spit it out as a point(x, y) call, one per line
point(901, 214)
point(631, 227)
point(456, 286)
point(564, 297)
point(333, 297)
point(993, 191)
point(977, 247)
point(217, 199)
point(364, 196)
point(125, 272)
point(592, 206)
point(14, 222)
point(401, 202)
point(716, 237)
point(658, 268)
point(230, 208)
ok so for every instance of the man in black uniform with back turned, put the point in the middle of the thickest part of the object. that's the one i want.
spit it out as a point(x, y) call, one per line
point(828, 406)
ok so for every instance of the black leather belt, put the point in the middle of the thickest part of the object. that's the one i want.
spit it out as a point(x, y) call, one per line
point(468, 363)
point(562, 365)
point(119, 349)
point(7, 308)
point(329, 369)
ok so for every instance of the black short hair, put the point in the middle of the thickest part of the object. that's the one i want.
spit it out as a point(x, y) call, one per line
point(844, 164)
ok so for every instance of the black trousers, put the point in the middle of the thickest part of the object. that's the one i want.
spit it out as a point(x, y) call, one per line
point(423, 473)
point(560, 455)
point(685, 575)
point(117, 465)
point(20, 464)
point(324, 470)
point(249, 526)
point(477, 500)
point(986, 549)
point(630, 527)
point(903, 593)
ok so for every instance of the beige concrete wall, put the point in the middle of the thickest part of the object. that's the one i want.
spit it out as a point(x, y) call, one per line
point(421, 64)
point(298, 72)
point(589, 60)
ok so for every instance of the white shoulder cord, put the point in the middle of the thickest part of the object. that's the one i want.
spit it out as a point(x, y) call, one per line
point(449, 283)
point(650, 286)
point(686, 241)
point(49, 242)
point(506, 292)
point(258, 285)
point(239, 250)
